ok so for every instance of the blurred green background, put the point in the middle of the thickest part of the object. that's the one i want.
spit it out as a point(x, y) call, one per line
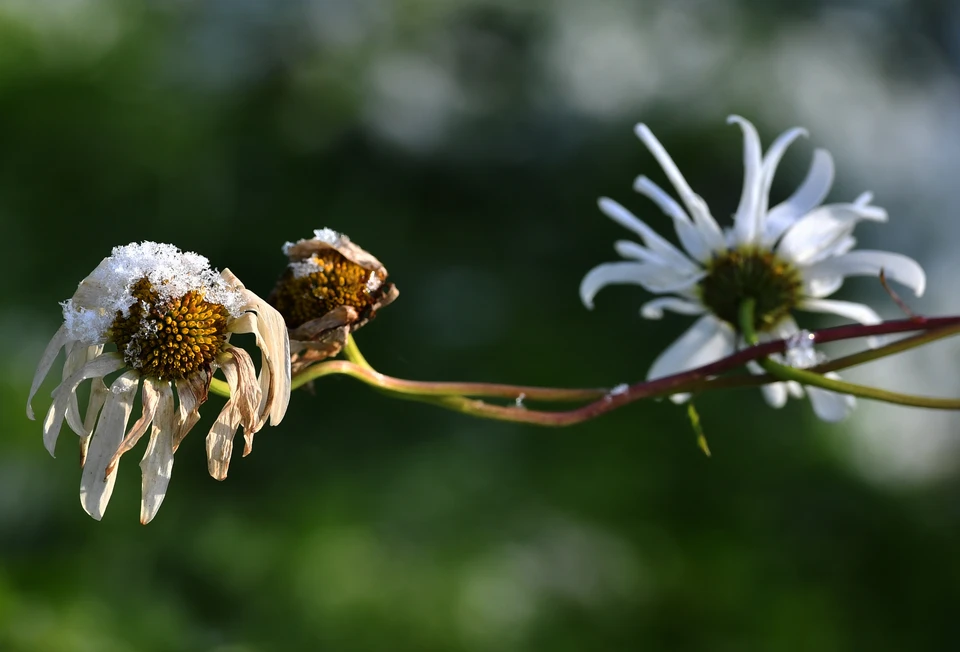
point(464, 143)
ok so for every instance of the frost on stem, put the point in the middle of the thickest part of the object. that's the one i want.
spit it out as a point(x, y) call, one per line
point(622, 388)
point(800, 351)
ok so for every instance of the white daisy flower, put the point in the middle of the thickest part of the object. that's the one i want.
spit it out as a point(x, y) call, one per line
point(789, 257)
point(170, 318)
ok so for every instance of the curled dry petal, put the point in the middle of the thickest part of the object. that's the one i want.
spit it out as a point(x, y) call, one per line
point(220, 438)
point(245, 394)
point(98, 395)
point(157, 463)
point(192, 392)
point(152, 393)
point(96, 485)
point(270, 330)
point(58, 341)
point(105, 364)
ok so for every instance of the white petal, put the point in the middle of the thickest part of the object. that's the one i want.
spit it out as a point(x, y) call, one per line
point(690, 237)
point(838, 248)
point(708, 340)
point(817, 233)
point(810, 194)
point(654, 309)
point(747, 221)
point(702, 219)
point(663, 158)
point(667, 204)
point(856, 311)
point(863, 199)
point(896, 267)
point(830, 406)
point(96, 486)
point(713, 236)
point(784, 328)
point(775, 394)
point(653, 278)
point(46, 361)
point(608, 274)
point(667, 253)
point(771, 161)
point(795, 389)
point(820, 284)
point(156, 466)
point(633, 251)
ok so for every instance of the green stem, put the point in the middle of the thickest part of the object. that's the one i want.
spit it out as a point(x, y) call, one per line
point(899, 346)
point(805, 377)
point(453, 396)
point(416, 388)
point(352, 352)
point(845, 362)
point(219, 387)
point(425, 391)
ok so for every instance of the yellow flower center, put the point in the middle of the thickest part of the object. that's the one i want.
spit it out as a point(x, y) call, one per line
point(310, 289)
point(169, 338)
point(750, 273)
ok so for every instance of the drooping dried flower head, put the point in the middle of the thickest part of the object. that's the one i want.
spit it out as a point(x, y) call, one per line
point(170, 318)
point(331, 287)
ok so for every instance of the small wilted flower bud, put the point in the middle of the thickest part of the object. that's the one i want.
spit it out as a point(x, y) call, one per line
point(331, 287)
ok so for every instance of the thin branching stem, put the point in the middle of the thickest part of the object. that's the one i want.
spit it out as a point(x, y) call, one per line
point(814, 379)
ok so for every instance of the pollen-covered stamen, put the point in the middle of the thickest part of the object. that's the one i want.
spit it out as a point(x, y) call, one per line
point(749, 273)
point(169, 338)
point(311, 288)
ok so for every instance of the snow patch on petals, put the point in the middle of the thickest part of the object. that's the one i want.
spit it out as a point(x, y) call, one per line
point(326, 235)
point(89, 314)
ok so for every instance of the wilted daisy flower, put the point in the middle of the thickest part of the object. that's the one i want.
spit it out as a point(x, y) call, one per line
point(330, 288)
point(170, 317)
point(789, 257)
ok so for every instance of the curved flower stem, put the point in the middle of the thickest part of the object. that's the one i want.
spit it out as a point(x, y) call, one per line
point(352, 353)
point(453, 396)
point(785, 372)
point(899, 346)
point(219, 387)
point(464, 405)
point(845, 362)
point(357, 367)
point(417, 388)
